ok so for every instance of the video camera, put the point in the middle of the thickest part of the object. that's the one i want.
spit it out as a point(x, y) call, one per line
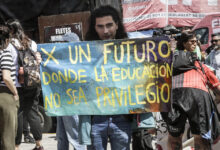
point(172, 32)
point(157, 32)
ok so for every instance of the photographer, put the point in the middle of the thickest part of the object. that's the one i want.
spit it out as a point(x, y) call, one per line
point(191, 100)
point(173, 34)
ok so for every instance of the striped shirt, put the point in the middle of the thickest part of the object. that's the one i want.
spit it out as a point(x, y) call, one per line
point(196, 79)
point(6, 63)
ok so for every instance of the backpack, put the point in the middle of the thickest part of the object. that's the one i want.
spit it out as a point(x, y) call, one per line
point(183, 61)
point(29, 72)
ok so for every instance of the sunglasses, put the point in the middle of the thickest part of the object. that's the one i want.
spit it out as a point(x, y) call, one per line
point(214, 41)
point(193, 41)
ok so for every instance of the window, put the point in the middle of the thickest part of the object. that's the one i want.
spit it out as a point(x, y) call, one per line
point(202, 35)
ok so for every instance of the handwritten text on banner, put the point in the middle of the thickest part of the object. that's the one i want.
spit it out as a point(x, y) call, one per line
point(106, 77)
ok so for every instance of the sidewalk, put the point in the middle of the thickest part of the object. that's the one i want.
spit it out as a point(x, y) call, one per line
point(49, 142)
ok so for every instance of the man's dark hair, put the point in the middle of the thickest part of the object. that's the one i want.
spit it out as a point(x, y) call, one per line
point(185, 36)
point(102, 12)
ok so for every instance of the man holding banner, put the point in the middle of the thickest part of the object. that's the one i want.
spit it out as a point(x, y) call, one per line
point(67, 126)
point(105, 24)
point(103, 79)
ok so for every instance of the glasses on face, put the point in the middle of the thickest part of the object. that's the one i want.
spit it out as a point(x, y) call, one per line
point(192, 41)
point(215, 41)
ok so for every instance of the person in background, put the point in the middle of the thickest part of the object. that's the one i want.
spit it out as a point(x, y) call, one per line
point(197, 49)
point(143, 127)
point(213, 59)
point(214, 41)
point(28, 97)
point(172, 33)
point(203, 53)
point(67, 126)
point(9, 99)
point(67, 132)
point(26, 131)
point(191, 100)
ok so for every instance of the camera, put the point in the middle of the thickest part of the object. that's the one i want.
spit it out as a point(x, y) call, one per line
point(172, 32)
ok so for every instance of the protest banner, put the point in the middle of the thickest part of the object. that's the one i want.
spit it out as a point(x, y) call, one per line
point(106, 77)
point(149, 14)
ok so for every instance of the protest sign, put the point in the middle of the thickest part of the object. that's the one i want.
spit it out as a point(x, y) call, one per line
point(149, 14)
point(106, 77)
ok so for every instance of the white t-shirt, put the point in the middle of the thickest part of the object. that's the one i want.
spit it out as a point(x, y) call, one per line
point(33, 46)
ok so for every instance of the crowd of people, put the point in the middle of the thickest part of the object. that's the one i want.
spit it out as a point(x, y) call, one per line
point(14, 40)
point(190, 97)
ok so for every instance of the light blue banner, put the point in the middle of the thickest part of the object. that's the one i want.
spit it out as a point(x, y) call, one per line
point(106, 77)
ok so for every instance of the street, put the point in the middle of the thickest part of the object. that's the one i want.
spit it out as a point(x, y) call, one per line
point(49, 142)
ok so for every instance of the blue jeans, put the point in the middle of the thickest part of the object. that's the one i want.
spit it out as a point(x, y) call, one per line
point(117, 128)
point(67, 132)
